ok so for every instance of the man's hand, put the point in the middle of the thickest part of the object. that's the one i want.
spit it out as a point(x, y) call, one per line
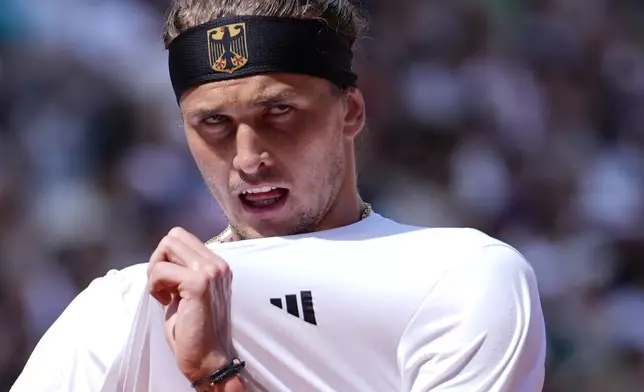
point(194, 287)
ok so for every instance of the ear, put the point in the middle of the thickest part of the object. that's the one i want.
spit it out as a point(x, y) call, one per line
point(355, 117)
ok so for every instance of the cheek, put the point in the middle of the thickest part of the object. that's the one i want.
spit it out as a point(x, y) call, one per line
point(216, 180)
point(213, 168)
point(317, 161)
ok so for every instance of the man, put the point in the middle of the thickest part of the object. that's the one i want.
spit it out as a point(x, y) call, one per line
point(327, 295)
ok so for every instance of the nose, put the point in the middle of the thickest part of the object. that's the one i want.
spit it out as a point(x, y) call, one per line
point(251, 151)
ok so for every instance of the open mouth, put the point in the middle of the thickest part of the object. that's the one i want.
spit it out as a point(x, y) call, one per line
point(266, 198)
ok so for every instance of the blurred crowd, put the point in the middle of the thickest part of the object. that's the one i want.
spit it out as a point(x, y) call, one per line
point(522, 118)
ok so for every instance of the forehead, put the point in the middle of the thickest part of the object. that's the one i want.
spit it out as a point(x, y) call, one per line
point(253, 90)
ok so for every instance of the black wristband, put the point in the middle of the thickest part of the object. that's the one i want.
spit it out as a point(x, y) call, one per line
point(219, 375)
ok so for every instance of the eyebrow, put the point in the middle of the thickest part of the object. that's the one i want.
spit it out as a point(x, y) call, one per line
point(268, 100)
point(263, 101)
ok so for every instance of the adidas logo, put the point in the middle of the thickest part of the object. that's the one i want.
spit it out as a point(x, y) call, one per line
point(292, 307)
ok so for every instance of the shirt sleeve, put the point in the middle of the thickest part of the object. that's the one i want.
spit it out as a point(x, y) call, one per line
point(480, 328)
point(77, 351)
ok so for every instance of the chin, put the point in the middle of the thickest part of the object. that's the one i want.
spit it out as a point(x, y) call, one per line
point(276, 220)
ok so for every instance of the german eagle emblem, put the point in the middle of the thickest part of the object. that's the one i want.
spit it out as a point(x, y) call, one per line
point(227, 47)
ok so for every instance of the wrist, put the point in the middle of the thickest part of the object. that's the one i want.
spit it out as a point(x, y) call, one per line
point(208, 364)
point(233, 383)
point(219, 376)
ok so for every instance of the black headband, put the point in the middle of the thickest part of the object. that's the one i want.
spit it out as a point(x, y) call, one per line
point(235, 47)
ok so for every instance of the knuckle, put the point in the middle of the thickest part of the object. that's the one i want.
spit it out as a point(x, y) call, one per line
point(225, 269)
point(176, 232)
point(194, 265)
point(216, 270)
point(210, 271)
point(165, 242)
point(211, 276)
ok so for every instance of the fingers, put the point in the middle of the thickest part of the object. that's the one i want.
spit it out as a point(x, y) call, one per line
point(173, 249)
point(166, 278)
point(192, 241)
point(182, 263)
point(183, 248)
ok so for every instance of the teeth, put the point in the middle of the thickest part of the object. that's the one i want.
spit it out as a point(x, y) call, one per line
point(260, 190)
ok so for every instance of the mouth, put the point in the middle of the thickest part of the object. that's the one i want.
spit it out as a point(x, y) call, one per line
point(263, 199)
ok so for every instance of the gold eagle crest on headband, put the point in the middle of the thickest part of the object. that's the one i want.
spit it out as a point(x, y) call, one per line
point(227, 47)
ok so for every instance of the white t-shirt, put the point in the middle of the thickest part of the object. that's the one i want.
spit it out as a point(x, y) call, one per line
point(374, 306)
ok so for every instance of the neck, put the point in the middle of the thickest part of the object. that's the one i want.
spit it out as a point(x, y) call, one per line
point(344, 211)
point(347, 207)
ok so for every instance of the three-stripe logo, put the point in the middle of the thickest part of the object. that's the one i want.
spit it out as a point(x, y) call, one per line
point(306, 303)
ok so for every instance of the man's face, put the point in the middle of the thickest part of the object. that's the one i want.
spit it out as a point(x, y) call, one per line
point(273, 149)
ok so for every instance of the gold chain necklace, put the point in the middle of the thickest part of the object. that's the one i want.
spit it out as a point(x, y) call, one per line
point(367, 210)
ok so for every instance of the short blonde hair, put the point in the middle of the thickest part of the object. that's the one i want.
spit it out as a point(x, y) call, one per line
point(342, 15)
